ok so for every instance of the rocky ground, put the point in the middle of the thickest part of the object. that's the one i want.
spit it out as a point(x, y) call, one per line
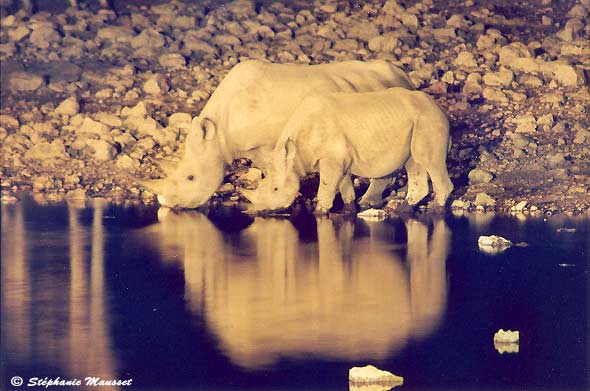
point(91, 95)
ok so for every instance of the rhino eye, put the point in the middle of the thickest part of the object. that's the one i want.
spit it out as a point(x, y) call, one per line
point(190, 177)
point(276, 189)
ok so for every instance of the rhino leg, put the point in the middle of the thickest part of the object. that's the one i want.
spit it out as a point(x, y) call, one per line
point(441, 183)
point(331, 174)
point(417, 182)
point(373, 197)
point(347, 190)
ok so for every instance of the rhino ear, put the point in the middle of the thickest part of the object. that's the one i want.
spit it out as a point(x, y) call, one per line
point(203, 129)
point(208, 128)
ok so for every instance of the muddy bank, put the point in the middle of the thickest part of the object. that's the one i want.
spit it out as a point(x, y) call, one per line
point(90, 96)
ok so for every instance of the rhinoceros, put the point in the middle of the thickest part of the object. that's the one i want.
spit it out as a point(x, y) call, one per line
point(246, 114)
point(367, 134)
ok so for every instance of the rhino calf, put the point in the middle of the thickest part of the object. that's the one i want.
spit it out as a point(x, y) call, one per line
point(367, 134)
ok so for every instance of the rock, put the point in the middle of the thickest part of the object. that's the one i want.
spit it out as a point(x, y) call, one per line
point(42, 182)
point(125, 162)
point(477, 176)
point(510, 53)
point(18, 34)
point(91, 126)
point(370, 374)
point(44, 36)
point(500, 78)
point(465, 60)
point(372, 215)
point(109, 119)
point(482, 199)
point(69, 107)
point(520, 206)
point(116, 34)
point(494, 95)
point(582, 136)
point(149, 39)
point(8, 121)
point(545, 120)
point(101, 150)
point(139, 110)
point(156, 85)
point(47, 151)
point(7, 50)
point(392, 7)
point(24, 81)
point(363, 31)
point(172, 61)
point(560, 71)
point(493, 244)
point(179, 120)
point(507, 336)
point(525, 124)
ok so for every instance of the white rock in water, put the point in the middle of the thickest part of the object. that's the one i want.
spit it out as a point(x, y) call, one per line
point(493, 244)
point(506, 341)
point(506, 347)
point(370, 374)
point(507, 336)
point(372, 215)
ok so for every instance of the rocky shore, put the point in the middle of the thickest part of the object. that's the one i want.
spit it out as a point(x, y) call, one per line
point(90, 96)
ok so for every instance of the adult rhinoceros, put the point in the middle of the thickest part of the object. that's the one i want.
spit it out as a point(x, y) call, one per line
point(246, 114)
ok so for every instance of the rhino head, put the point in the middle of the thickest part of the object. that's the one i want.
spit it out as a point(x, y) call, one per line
point(280, 185)
point(199, 173)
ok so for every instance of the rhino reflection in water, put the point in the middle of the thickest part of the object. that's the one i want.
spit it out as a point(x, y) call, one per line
point(58, 313)
point(273, 296)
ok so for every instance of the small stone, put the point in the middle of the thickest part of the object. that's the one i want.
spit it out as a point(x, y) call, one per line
point(477, 176)
point(525, 124)
point(91, 126)
point(44, 36)
point(371, 374)
point(69, 107)
point(156, 85)
point(493, 244)
point(501, 78)
point(545, 120)
point(494, 95)
point(148, 39)
point(465, 60)
point(482, 199)
point(172, 61)
point(507, 336)
point(8, 121)
point(24, 81)
point(47, 151)
point(582, 136)
point(101, 150)
point(520, 206)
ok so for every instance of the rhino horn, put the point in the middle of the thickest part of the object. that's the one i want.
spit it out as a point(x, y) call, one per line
point(154, 185)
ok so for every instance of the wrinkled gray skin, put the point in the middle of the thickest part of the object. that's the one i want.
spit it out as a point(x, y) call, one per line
point(366, 134)
point(246, 114)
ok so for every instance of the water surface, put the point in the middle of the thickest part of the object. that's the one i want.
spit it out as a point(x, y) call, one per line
point(219, 300)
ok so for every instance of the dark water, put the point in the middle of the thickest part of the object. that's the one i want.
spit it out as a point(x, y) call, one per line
point(220, 302)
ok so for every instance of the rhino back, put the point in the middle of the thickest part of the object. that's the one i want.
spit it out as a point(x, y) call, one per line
point(254, 101)
point(374, 128)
